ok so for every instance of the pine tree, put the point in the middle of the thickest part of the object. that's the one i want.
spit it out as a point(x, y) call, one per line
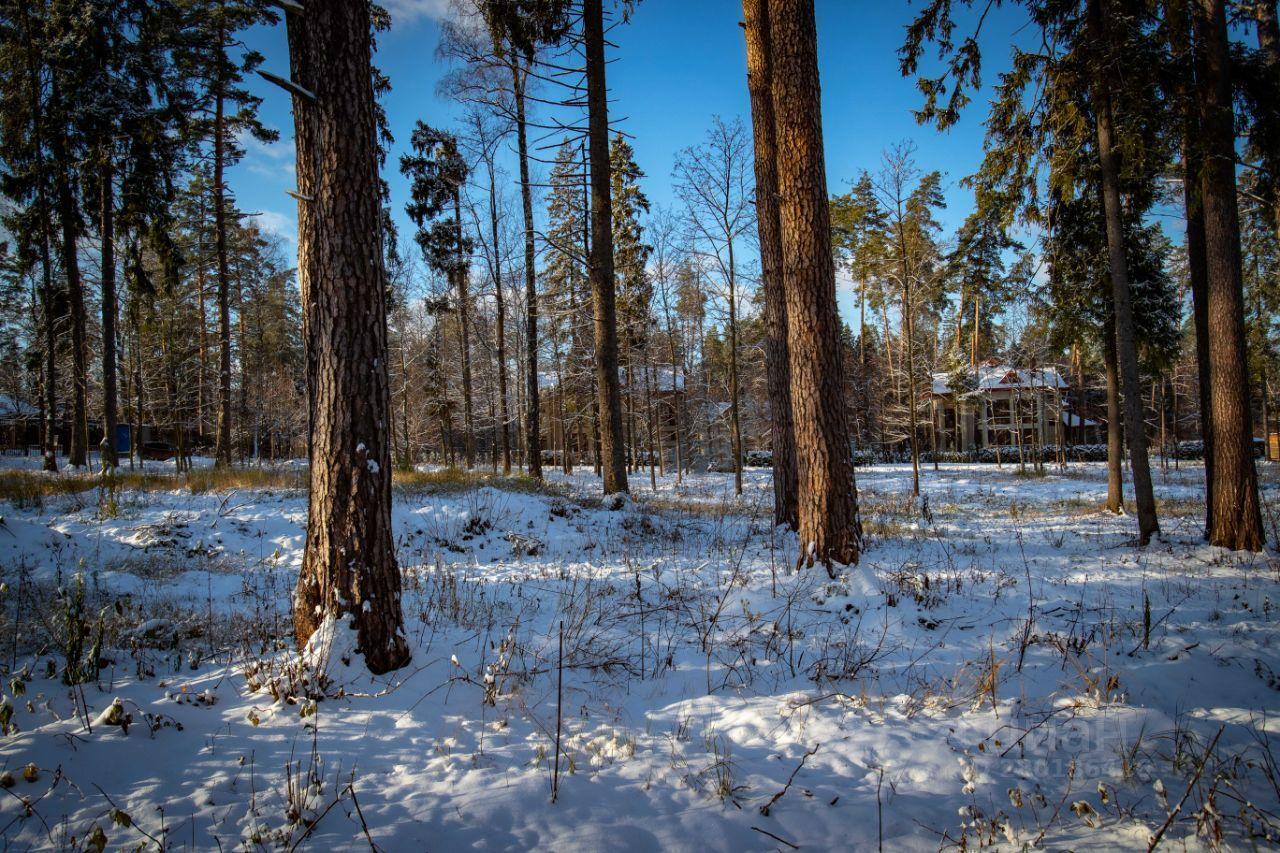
point(1104, 68)
point(859, 236)
point(1085, 105)
point(227, 111)
point(517, 28)
point(600, 267)
point(830, 529)
point(437, 173)
point(349, 566)
point(27, 179)
point(1237, 516)
point(978, 270)
point(755, 17)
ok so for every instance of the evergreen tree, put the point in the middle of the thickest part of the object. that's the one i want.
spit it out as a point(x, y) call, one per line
point(226, 111)
point(1100, 93)
point(631, 276)
point(437, 174)
point(600, 259)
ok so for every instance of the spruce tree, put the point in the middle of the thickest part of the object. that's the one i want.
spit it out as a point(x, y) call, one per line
point(631, 276)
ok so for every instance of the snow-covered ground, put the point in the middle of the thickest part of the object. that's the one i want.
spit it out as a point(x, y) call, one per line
point(1005, 668)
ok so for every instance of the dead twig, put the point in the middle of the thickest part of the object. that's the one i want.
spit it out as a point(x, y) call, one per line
point(1155, 839)
point(776, 838)
point(764, 810)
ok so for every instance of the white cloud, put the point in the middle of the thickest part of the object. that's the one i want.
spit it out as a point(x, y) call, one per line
point(410, 11)
point(268, 158)
point(283, 225)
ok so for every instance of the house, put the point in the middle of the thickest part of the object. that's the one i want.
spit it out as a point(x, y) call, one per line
point(997, 404)
point(19, 425)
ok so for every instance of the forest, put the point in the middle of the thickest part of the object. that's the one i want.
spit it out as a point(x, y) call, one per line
point(623, 424)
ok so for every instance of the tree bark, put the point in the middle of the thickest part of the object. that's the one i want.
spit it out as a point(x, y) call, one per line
point(533, 436)
point(1126, 346)
point(1237, 521)
point(349, 565)
point(830, 529)
point(1115, 434)
point(777, 355)
point(1178, 26)
point(107, 229)
point(304, 141)
point(612, 452)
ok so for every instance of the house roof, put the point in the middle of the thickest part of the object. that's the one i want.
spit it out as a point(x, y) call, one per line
point(992, 377)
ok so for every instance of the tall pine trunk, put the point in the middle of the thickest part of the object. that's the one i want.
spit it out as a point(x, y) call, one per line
point(107, 228)
point(909, 328)
point(349, 565)
point(830, 529)
point(612, 455)
point(1237, 518)
point(777, 356)
point(1178, 26)
point(50, 449)
point(1115, 433)
point(304, 143)
point(1126, 344)
point(533, 436)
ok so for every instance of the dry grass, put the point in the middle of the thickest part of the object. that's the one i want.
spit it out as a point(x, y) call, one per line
point(1179, 507)
point(204, 480)
point(450, 480)
point(31, 488)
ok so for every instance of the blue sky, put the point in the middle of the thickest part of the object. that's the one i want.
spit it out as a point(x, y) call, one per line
point(676, 64)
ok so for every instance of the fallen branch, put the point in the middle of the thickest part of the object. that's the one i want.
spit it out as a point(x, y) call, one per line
point(764, 810)
point(1155, 839)
point(776, 838)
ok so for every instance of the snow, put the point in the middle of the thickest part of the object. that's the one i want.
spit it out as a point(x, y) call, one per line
point(994, 376)
point(687, 706)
